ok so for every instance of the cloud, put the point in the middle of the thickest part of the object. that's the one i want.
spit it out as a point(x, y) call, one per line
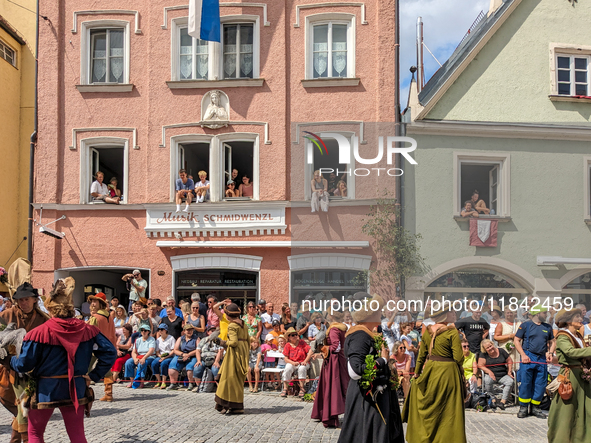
point(445, 22)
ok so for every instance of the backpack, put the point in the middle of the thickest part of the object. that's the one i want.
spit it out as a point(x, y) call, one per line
point(207, 382)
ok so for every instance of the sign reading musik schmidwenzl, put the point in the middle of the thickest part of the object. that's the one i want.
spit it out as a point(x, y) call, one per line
point(206, 220)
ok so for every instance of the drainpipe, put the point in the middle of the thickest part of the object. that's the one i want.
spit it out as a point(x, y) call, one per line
point(397, 120)
point(32, 147)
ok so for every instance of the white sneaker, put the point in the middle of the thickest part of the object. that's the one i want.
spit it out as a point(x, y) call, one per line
point(186, 209)
point(178, 208)
point(200, 199)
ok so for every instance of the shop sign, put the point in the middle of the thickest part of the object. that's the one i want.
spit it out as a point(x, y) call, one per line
point(205, 219)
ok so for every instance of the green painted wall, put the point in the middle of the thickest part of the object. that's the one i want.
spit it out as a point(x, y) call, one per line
point(509, 80)
point(546, 202)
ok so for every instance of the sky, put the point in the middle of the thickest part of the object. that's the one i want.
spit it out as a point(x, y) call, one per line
point(445, 22)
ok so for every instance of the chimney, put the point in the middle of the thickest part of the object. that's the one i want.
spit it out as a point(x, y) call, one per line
point(494, 5)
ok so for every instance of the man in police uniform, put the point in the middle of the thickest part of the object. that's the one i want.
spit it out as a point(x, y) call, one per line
point(532, 340)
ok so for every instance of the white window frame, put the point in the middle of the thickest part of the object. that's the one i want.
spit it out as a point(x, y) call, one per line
point(587, 187)
point(86, 146)
point(85, 48)
point(309, 169)
point(568, 50)
point(256, 45)
point(238, 137)
point(325, 18)
point(3, 48)
point(175, 41)
point(175, 147)
point(501, 159)
point(216, 165)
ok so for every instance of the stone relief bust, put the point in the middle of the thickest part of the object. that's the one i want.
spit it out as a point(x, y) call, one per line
point(215, 109)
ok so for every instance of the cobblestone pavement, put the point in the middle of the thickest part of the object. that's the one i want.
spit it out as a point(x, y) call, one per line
point(155, 416)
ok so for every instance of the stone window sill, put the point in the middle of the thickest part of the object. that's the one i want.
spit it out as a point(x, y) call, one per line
point(330, 82)
point(119, 87)
point(588, 221)
point(570, 98)
point(208, 84)
point(500, 219)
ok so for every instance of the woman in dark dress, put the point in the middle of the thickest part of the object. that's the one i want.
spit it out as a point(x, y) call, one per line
point(329, 401)
point(371, 415)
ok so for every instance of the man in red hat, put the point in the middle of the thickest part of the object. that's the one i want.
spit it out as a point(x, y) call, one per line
point(27, 315)
point(101, 318)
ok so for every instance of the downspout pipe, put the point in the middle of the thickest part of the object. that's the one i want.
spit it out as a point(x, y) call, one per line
point(398, 124)
point(32, 146)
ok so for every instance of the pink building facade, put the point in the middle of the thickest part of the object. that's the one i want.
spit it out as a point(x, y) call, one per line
point(129, 93)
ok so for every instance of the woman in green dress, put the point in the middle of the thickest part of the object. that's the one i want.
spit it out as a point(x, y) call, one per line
point(567, 419)
point(229, 398)
point(434, 408)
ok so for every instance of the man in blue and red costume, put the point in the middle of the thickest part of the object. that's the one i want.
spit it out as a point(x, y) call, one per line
point(56, 355)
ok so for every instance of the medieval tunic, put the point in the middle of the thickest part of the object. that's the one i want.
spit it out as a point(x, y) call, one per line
point(63, 347)
point(230, 392)
point(434, 408)
point(329, 401)
point(102, 320)
point(362, 422)
point(567, 422)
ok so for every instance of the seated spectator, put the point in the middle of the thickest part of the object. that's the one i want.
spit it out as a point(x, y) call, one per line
point(253, 321)
point(123, 350)
point(297, 357)
point(170, 303)
point(468, 211)
point(185, 351)
point(479, 205)
point(246, 188)
point(341, 190)
point(231, 190)
point(402, 362)
point(470, 366)
point(155, 319)
point(255, 365)
point(333, 182)
point(185, 309)
point(141, 356)
point(112, 187)
point(100, 192)
point(119, 319)
point(316, 326)
point(295, 310)
point(202, 187)
point(174, 323)
point(280, 347)
point(209, 355)
point(320, 195)
point(144, 319)
point(185, 187)
point(164, 355)
point(497, 367)
point(196, 319)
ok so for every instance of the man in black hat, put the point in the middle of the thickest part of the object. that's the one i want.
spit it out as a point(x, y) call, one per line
point(25, 314)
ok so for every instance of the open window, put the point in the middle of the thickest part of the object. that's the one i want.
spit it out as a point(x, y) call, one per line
point(110, 160)
point(194, 157)
point(489, 174)
point(238, 161)
point(339, 176)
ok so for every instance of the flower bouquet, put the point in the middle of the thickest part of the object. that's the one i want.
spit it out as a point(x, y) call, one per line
point(3, 275)
point(509, 346)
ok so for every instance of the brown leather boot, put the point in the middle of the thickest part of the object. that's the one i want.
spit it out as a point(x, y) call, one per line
point(108, 389)
point(17, 437)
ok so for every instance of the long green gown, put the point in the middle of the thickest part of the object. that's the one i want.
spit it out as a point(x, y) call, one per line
point(434, 408)
point(567, 419)
point(230, 392)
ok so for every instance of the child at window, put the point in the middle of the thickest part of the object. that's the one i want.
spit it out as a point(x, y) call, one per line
point(202, 187)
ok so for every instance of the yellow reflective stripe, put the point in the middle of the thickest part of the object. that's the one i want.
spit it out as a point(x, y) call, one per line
point(535, 402)
point(523, 400)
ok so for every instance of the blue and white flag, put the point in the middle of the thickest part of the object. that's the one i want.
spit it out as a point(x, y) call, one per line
point(204, 19)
